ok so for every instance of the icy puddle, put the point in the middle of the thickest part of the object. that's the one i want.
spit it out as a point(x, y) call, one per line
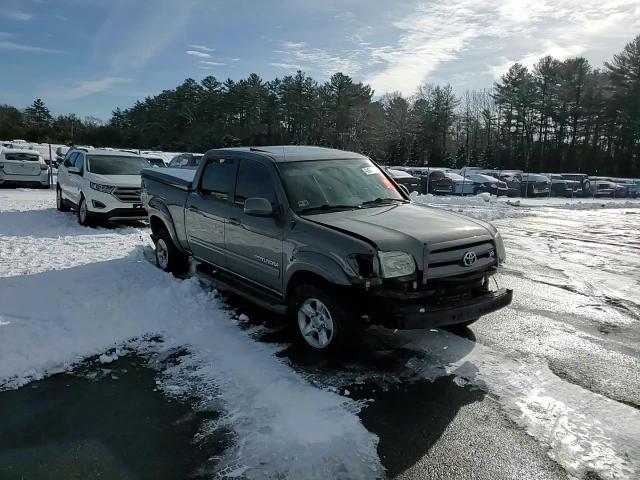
point(584, 432)
point(102, 421)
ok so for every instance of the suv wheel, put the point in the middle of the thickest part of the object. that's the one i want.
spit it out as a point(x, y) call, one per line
point(60, 205)
point(323, 320)
point(168, 257)
point(85, 218)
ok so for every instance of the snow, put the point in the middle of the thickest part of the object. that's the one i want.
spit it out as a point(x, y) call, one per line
point(67, 293)
point(485, 206)
point(585, 432)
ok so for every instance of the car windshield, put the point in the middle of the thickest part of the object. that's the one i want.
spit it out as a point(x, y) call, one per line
point(336, 184)
point(115, 165)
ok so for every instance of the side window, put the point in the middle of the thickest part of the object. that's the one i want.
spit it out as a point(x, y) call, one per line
point(79, 161)
point(218, 178)
point(70, 160)
point(254, 181)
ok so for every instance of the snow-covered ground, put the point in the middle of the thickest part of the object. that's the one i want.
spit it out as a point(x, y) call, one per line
point(489, 207)
point(67, 293)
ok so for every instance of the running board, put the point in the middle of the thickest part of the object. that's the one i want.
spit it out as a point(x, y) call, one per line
point(225, 283)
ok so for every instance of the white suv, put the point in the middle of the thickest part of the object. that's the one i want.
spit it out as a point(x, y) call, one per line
point(101, 185)
point(23, 167)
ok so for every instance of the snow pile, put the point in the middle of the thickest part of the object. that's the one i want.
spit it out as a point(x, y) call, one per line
point(483, 206)
point(284, 427)
point(572, 204)
point(585, 432)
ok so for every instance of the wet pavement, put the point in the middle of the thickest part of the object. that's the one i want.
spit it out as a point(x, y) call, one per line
point(503, 399)
point(102, 421)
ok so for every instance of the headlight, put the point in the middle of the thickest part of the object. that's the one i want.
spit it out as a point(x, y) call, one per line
point(500, 251)
point(101, 188)
point(396, 264)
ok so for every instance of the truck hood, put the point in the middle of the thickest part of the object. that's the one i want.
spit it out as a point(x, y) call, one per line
point(406, 227)
point(117, 180)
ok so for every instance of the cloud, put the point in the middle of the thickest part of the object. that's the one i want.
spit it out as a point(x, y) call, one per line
point(85, 88)
point(195, 53)
point(201, 47)
point(164, 21)
point(320, 61)
point(215, 64)
point(286, 66)
point(27, 48)
point(469, 32)
point(20, 16)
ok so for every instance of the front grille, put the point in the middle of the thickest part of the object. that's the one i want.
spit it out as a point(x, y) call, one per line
point(128, 194)
point(447, 262)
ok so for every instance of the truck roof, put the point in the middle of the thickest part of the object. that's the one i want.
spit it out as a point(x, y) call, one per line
point(297, 153)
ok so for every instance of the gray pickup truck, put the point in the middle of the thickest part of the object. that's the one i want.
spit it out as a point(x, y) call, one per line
point(326, 237)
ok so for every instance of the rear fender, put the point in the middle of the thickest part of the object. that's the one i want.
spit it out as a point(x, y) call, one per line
point(158, 211)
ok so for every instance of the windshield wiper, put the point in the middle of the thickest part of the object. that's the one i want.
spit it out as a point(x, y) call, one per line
point(328, 208)
point(382, 201)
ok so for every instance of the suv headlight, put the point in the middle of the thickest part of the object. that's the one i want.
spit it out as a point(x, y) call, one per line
point(101, 188)
point(500, 250)
point(396, 264)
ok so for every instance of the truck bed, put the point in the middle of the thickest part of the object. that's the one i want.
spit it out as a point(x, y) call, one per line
point(176, 177)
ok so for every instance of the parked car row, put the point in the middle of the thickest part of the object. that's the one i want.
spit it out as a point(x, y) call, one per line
point(516, 183)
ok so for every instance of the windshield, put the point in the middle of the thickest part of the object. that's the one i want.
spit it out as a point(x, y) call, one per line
point(115, 165)
point(323, 184)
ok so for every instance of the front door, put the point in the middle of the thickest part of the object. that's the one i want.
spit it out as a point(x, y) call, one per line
point(254, 244)
point(207, 209)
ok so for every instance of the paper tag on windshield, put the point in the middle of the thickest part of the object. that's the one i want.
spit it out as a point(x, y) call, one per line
point(303, 203)
point(370, 170)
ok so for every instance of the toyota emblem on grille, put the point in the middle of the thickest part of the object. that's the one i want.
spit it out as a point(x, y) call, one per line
point(469, 258)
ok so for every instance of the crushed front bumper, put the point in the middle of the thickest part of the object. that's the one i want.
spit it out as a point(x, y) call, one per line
point(416, 315)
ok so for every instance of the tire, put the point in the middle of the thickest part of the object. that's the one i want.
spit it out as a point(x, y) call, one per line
point(323, 320)
point(60, 205)
point(85, 218)
point(168, 257)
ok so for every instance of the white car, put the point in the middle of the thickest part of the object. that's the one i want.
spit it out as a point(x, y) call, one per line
point(23, 167)
point(101, 185)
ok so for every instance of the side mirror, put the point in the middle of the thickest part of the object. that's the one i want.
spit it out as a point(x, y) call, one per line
point(75, 170)
point(258, 207)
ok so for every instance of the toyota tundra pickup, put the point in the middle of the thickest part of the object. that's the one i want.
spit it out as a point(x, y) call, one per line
point(326, 237)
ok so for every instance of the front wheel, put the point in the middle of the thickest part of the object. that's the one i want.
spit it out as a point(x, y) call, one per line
point(323, 320)
point(168, 257)
point(60, 205)
point(84, 215)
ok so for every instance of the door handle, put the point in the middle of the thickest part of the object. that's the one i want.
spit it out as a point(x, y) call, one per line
point(234, 221)
point(193, 209)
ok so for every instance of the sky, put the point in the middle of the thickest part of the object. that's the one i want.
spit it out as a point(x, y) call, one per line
point(90, 56)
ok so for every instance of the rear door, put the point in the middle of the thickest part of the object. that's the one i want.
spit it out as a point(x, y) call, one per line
point(207, 209)
point(254, 244)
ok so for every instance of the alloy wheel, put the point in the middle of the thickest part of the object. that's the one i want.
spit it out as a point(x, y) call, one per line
point(315, 323)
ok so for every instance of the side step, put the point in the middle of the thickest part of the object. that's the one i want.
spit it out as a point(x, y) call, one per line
point(255, 295)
